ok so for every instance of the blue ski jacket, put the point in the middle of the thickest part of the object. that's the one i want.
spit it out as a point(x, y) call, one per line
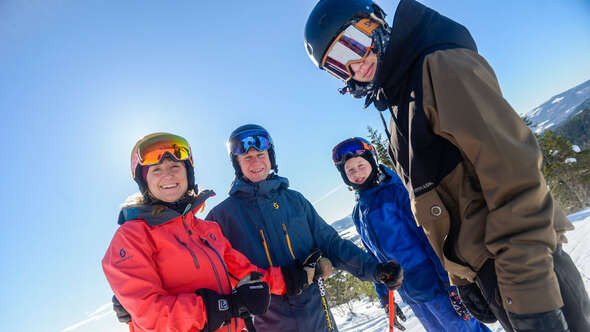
point(274, 226)
point(385, 222)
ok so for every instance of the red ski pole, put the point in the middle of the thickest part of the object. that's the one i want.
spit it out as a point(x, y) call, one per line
point(391, 310)
point(131, 329)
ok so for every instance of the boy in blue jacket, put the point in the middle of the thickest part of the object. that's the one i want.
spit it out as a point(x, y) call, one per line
point(384, 221)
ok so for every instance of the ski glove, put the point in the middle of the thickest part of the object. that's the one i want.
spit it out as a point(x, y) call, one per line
point(475, 303)
point(251, 296)
point(300, 276)
point(457, 304)
point(553, 321)
point(391, 274)
point(398, 314)
point(122, 315)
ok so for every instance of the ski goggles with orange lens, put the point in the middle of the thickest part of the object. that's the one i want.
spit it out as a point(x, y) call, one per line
point(349, 148)
point(151, 149)
point(351, 46)
point(240, 144)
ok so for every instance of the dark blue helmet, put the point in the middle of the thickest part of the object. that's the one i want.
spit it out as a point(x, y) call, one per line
point(250, 136)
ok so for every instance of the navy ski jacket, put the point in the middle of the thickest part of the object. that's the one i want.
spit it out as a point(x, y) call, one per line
point(385, 222)
point(274, 226)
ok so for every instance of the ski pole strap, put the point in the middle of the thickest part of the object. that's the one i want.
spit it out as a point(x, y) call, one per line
point(391, 310)
point(322, 288)
point(249, 320)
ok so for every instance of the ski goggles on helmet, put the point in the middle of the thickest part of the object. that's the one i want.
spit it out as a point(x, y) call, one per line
point(351, 46)
point(241, 143)
point(151, 149)
point(349, 148)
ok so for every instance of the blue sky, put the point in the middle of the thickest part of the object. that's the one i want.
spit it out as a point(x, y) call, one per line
point(81, 81)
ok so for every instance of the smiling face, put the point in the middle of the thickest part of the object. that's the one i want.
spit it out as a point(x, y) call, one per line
point(364, 71)
point(255, 165)
point(167, 181)
point(357, 170)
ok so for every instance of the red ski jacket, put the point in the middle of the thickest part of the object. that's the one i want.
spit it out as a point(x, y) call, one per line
point(154, 264)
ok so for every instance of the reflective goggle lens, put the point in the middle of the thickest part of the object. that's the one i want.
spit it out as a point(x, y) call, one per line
point(352, 45)
point(241, 143)
point(350, 148)
point(152, 150)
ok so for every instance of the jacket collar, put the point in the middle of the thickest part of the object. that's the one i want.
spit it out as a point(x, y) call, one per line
point(417, 30)
point(242, 187)
point(144, 211)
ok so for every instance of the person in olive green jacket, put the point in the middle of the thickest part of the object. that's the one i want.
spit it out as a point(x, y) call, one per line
point(470, 164)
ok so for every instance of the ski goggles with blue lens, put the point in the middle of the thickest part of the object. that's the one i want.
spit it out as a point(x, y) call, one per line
point(351, 46)
point(241, 143)
point(352, 147)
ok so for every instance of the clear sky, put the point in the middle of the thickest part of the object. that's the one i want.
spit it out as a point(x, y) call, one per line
point(81, 81)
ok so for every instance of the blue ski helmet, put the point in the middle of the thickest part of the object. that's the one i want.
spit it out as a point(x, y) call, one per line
point(330, 18)
point(250, 136)
point(356, 147)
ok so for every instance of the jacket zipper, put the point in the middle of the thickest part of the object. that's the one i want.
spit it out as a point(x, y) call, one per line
point(195, 261)
point(265, 247)
point(288, 241)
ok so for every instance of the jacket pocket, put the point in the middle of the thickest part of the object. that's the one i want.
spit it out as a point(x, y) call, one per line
point(432, 215)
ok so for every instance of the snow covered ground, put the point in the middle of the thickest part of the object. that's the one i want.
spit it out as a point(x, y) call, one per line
point(370, 317)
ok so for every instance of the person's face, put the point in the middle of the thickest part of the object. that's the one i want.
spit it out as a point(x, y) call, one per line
point(167, 181)
point(357, 170)
point(255, 165)
point(364, 71)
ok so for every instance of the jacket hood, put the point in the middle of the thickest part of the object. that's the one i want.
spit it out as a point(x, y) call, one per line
point(144, 211)
point(418, 30)
point(391, 179)
point(241, 187)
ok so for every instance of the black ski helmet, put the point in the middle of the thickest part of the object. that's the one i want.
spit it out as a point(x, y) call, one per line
point(137, 170)
point(244, 129)
point(330, 17)
point(369, 153)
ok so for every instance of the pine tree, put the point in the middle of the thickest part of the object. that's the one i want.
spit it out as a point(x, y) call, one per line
point(381, 145)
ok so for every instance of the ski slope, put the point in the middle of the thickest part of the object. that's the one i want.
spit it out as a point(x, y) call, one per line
point(370, 317)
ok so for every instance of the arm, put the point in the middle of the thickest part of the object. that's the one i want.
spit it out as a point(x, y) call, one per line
point(344, 254)
point(132, 274)
point(471, 112)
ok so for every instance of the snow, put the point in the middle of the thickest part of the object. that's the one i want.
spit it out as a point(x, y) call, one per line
point(576, 148)
point(571, 160)
point(369, 317)
point(557, 100)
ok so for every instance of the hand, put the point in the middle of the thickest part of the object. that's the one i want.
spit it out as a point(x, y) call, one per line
point(316, 266)
point(457, 304)
point(251, 296)
point(299, 276)
point(398, 314)
point(391, 274)
point(475, 303)
point(122, 315)
point(553, 321)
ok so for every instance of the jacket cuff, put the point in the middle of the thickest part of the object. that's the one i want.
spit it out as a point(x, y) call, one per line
point(532, 297)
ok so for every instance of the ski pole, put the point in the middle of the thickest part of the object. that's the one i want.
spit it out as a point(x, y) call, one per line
point(391, 310)
point(131, 329)
point(322, 288)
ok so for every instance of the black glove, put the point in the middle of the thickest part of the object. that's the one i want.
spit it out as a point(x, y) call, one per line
point(458, 305)
point(391, 274)
point(553, 321)
point(299, 276)
point(475, 303)
point(122, 315)
point(398, 314)
point(251, 296)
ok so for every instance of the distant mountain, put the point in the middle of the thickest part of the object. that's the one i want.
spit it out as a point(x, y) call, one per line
point(560, 107)
point(346, 230)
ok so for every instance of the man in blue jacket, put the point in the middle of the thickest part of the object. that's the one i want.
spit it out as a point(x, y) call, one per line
point(384, 220)
point(276, 226)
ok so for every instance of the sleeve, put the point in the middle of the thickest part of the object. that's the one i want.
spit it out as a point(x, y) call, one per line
point(239, 266)
point(344, 254)
point(473, 114)
point(132, 274)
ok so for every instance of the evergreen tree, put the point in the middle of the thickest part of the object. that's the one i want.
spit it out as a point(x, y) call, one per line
point(381, 145)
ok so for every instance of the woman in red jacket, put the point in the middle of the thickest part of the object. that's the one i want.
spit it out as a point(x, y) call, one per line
point(172, 271)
